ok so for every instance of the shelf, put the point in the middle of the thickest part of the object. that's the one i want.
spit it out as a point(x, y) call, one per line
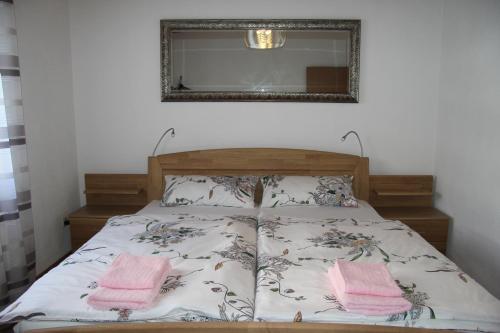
point(411, 213)
point(104, 212)
point(403, 193)
point(131, 191)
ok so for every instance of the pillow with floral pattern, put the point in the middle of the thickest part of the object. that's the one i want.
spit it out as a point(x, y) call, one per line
point(308, 190)
point(227, 191)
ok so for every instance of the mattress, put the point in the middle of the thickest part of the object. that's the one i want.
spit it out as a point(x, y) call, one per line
point(153, 209)
point(363, 211)
point(213, 255)
point(295, 252)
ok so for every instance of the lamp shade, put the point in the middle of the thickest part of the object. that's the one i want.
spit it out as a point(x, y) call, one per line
point(263, 39)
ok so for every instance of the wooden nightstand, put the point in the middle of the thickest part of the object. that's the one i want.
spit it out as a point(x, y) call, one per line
point(409, 200)
point(88, 220)
point(107, 195)
point(429, 222)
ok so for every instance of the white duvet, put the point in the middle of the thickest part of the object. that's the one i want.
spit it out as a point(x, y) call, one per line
point(294, 254)
point(213, 277)
point(213, 252)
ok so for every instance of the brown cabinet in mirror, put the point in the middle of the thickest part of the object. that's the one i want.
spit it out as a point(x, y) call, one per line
point(262, 60)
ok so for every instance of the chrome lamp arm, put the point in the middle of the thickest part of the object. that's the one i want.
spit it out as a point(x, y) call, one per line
point(359, 140)
point(172, 130)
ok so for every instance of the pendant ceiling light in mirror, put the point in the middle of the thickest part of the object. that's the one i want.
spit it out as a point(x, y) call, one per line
point(263, 39)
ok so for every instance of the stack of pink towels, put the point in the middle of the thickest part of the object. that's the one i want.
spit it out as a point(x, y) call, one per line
point(367, 289)
point(132, 282)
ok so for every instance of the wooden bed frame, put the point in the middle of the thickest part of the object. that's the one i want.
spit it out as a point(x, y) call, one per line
point(258, 161)
point(249, 161)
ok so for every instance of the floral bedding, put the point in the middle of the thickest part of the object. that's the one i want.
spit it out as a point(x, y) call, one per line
point(214, 259)
point(282, 191)
point(225, 191)
point(294, 255)
point(213, 277)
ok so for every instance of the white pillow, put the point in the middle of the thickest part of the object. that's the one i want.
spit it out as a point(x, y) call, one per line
point(282, 191)
point(227, 191)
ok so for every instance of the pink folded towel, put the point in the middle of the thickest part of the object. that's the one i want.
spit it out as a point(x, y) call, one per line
point(135, 272)
point(370, 305)
point(132, 282)
point(364, 278)
point(366, 289)
point(107, 298)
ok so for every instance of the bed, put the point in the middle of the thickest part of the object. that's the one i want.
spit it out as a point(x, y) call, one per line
point(214, 290)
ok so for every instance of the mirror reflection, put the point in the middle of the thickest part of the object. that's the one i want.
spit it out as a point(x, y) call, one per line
point(264, 60)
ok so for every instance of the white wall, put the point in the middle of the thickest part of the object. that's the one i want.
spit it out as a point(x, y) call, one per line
point(46, 82)
point(116, 78)
point(467, 159)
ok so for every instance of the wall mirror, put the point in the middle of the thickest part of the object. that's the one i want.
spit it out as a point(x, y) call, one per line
point(260, 60)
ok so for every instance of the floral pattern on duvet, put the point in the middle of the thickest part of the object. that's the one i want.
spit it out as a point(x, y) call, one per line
point(294, 255)
point(213, 277)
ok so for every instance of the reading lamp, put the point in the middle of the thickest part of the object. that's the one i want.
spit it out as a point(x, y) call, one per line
point(172, 134)
point(357, 136)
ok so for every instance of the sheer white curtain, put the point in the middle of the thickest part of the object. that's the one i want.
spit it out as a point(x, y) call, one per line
point(17, 252)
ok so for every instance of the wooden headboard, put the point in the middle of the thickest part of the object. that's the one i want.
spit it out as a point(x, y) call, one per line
point(257, 161)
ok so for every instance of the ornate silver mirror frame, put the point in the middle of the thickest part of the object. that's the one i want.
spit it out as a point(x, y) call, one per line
point(169, 94)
